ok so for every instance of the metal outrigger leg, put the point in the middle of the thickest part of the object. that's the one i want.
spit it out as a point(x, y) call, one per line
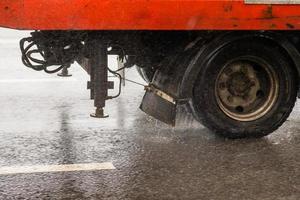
point(98, 65)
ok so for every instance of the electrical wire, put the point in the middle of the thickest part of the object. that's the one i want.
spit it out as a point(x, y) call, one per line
point(131, 81)
point(30, 61)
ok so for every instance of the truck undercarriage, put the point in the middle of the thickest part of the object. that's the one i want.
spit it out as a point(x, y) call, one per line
point(234, 64)
point(236, 83)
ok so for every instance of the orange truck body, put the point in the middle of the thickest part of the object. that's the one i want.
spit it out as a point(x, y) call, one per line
point(149, 15)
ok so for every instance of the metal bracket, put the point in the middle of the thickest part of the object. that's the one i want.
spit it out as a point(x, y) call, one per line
point(160, 93)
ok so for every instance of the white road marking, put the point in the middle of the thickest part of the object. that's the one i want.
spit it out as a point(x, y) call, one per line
point(56, 168)
point(37, 80)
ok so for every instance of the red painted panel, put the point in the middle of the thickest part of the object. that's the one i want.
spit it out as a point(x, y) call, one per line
point(10, 13)
point(147, 15)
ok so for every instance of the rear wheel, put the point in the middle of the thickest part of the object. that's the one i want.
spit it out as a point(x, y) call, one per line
point(245, 89)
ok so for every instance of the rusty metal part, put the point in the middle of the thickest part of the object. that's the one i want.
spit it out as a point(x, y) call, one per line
point(160, 93)
point(246, 89)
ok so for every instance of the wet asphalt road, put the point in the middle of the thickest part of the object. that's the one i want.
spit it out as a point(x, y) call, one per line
point(45, 120)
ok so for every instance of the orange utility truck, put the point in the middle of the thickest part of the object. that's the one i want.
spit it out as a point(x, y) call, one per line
point(234, 64)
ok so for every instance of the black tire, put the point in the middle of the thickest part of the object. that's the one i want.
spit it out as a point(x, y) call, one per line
point(205, 103)
point(146, 73)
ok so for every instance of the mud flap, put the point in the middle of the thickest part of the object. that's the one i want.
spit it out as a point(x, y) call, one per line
point(164, 98)
point(159, 105)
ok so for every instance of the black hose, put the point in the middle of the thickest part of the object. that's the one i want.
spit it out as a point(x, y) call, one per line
point(34, 63)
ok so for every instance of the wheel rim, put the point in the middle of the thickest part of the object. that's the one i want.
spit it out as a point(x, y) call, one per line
point(246, 88)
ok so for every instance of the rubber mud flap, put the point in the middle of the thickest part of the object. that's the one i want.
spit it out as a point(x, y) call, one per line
point(159, 108)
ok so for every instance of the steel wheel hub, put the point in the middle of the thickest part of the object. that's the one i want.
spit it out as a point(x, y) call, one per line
point(246, 89)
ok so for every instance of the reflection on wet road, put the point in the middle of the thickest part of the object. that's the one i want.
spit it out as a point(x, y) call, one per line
point(47, 123)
